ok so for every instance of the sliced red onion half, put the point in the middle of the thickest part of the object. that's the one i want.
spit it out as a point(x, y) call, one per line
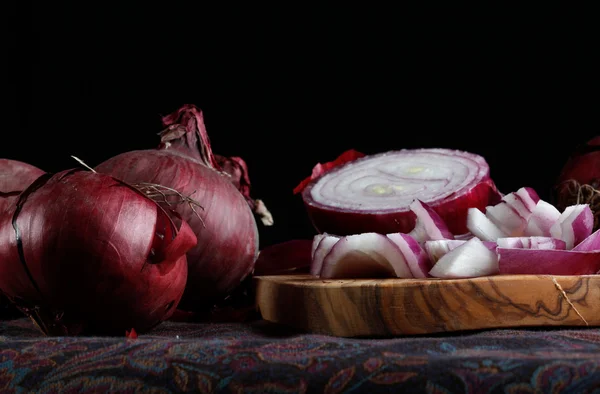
point(373, 193)
point(365, 255)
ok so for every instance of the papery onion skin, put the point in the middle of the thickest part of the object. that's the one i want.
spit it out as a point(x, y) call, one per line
point(228, 239)
point(75, 255)
point(452, 209)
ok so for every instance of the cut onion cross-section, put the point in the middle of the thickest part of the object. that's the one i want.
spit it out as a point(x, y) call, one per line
point(373, 193)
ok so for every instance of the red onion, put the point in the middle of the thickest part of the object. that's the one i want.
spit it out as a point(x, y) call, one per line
point(373, 193)
point(284, 257)
point(226, 229)
point(579, 179)
point(84, 253)
point(15, 176)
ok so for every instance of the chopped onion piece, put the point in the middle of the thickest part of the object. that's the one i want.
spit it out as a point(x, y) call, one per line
point(437, 248)
point(365, 255)
point(523, 201)
point(471, 259)
point(531, 243)
point(429, 225)
point(324, 246)
point(506, 218)
point(591, 243)
point(482, 227)
point(575, 224)
point(315, 243)
point(373, 193)
point(543, 216)
point(414, 255)
point(547, 262)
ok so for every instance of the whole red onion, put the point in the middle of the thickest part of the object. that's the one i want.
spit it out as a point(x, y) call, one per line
point(579, 179)
point(15, 176)
point(226, 229)
point(84, 253)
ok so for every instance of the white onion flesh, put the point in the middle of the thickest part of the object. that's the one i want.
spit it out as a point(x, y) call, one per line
point(364, 255)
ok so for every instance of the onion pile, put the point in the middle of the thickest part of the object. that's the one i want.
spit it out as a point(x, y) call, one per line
point(225, 225)
point(579, 179)
point(521, 234)
point(373, 193)
point(85, 253)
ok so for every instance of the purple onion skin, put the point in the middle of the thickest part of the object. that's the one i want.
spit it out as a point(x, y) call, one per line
point(227, 235)
point(79, 265)
point(452, 211)
point(15, 176)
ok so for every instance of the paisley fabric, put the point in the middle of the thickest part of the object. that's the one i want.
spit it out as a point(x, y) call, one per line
point(264, 358)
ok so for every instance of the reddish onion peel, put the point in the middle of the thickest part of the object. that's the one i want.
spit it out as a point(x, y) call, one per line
point(373, 193)
point(226, 229)
point(84, 253)
point(321, 168)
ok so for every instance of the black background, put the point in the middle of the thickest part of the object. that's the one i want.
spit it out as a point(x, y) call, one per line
point(288, 86)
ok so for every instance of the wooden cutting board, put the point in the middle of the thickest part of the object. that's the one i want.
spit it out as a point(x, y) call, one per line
point(393, 307)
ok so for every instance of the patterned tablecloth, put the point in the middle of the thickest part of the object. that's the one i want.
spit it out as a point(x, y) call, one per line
point(264, 358)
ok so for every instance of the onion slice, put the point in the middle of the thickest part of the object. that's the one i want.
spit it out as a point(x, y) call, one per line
point(513, 261)
point(574, 224)
point(482, 227)
point(591, 243)
point(365, 255)
point(429, 225)
point(531, 243)
point(542, 217)
point(374, 193)
point(437, 248)
point(415, 256)
point(324, 245)
point(471, 259)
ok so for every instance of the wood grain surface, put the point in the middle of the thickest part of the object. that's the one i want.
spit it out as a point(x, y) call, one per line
point(393, 307)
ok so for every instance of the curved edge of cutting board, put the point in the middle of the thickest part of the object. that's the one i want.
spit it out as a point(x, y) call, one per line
point(392, 307)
